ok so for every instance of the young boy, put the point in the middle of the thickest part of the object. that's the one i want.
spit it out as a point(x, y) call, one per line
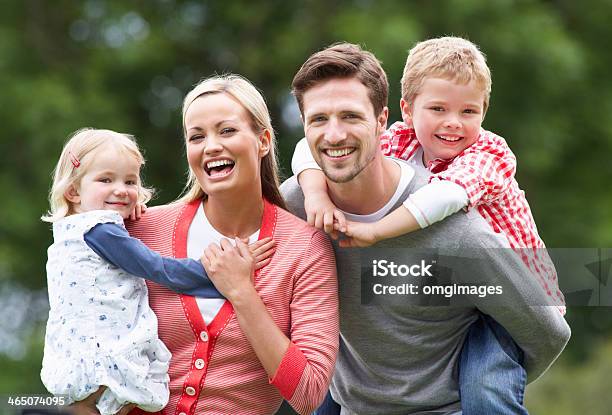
point(445, 94)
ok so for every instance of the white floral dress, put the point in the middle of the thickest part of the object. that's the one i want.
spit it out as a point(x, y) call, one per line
point(101, 330)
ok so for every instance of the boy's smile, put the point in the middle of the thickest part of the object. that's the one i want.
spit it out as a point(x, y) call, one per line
point(446, 116)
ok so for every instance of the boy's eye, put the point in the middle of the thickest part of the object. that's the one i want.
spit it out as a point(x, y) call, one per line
point(470, 111)
point(105, 180)
point(436, 108)
point(131, 182)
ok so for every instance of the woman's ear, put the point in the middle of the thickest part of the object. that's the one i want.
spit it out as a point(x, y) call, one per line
point(406, 112)
point(264, 143)
point(72, 194)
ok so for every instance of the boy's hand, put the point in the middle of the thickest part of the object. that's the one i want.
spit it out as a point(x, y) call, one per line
point(358, 235)
point(322, 213)
point(138, 211)
point(262, 250)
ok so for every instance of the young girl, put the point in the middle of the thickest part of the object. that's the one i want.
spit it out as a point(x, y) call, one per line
point(101, 330)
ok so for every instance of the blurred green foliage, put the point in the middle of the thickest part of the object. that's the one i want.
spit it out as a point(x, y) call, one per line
point(126, 66)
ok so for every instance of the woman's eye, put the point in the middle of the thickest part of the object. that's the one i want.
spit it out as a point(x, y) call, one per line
point(228, 130)
point(196, 137)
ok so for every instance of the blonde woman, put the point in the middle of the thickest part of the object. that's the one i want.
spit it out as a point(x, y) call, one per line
point(275, 335)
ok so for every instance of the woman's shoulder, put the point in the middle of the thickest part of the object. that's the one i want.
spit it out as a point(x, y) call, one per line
point(156, 218)
point(293, 229)
point(288, 222)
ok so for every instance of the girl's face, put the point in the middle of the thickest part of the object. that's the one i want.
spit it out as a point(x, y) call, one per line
point(223, 151)
point(110, 183)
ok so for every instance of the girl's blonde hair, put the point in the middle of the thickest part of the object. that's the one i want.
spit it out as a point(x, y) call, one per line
point(451, 58)
point(77, 155)
point(251, 99)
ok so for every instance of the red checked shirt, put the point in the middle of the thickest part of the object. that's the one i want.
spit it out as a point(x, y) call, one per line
point(486, 171)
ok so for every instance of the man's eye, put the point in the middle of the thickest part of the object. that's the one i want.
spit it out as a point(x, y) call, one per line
point(319, 118)
point(351, 116)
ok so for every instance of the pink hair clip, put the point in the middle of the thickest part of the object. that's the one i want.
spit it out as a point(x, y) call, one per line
point(74, 160)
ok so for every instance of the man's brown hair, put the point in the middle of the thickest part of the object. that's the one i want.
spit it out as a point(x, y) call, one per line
point(343, 60)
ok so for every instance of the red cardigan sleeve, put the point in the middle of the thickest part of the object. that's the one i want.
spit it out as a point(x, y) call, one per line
point(305, 372)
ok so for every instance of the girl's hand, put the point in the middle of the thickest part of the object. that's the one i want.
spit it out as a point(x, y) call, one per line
point(138, 211)
point(358, 234)
point(262, 250)
point(230, 268)
point(88, 405)
point(323, 214)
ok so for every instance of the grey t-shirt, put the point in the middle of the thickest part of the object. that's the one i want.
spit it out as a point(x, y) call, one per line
point(401, 358)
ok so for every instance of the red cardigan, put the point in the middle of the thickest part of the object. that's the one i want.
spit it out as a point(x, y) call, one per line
point(213, 369)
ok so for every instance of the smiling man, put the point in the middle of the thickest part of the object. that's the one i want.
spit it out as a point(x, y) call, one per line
point(397, 357)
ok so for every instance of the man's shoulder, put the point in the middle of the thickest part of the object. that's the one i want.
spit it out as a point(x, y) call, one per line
point(472, 230)
point(294, 197)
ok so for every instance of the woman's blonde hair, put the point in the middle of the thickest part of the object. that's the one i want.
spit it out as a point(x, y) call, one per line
point(252, 100)
point(451, 58)
point(77, 155)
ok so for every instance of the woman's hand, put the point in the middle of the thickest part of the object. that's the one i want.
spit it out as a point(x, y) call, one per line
point(262, 250)
point(230, 268)
point(88, 405)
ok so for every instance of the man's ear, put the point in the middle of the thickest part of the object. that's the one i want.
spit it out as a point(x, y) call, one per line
point(72, 195)
point(406, 112)
point(264, 143)
point(382, 119)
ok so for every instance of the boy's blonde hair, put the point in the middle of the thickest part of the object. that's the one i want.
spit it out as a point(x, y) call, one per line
point(77, 155)
point(451, 58)
point(240, 89)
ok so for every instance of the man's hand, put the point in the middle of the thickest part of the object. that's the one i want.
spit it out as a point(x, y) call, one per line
point(262, 250)
point(88, 405)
